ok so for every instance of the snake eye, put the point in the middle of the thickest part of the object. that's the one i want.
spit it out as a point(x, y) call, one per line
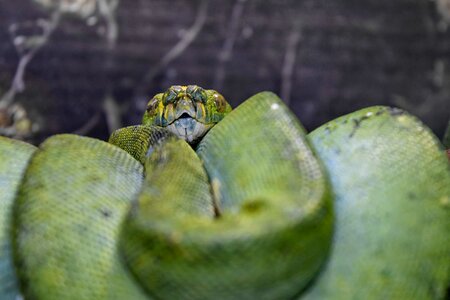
point(171, 95)
point(191, 89)
point(152, 106)
point(200, 96)
point(197, 93)
point(220, 102)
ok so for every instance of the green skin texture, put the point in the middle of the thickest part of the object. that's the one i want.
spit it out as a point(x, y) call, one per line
point(248, 215)
point(392, 199)
point(177, 249)
point(14, 157)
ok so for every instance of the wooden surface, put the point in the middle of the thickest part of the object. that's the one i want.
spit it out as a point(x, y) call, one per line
point(325, 58)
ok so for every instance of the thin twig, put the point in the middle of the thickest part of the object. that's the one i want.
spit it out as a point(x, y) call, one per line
point(189, 36)
point(443, 8)
point(419, 109)
point(289, 62)
point(111, 109)
point(7, 131)
point(89, 125)
point(110, 106)
point(108, 11)
point(228, 45)
point(112, 112)
point(18, 85)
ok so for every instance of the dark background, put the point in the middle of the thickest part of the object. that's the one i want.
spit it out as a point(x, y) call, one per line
point(90, 66)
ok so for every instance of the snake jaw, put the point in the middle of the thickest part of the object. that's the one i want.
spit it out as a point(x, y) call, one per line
point(189, 129)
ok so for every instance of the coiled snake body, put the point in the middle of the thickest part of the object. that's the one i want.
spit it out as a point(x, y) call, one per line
point(358, 209)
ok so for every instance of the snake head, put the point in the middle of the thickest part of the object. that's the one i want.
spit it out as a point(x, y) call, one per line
point(187, 111)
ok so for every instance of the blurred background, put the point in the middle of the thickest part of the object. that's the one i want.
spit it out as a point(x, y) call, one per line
point(90, 66)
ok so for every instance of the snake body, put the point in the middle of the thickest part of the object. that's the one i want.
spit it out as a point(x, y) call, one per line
point(358, 209)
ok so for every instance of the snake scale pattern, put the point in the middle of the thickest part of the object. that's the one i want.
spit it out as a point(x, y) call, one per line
point(205, 202)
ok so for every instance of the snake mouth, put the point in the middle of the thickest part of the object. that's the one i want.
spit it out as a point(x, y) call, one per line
point(184, 115)
point(188, 128)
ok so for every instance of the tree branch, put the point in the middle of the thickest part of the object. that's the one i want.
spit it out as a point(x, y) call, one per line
point(18, 84)
point(289, 62)
point(177, 50)
point(89, 125)
point(228, 45)
point(110, 106)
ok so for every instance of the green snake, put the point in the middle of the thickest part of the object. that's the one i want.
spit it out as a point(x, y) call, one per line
point(205, 202)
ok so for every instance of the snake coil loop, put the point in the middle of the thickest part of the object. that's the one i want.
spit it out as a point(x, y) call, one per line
point(255, 209)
